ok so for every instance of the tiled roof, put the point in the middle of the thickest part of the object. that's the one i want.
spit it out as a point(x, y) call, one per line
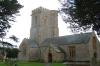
point(55, 47)
point(31, 43)
point(70, 39)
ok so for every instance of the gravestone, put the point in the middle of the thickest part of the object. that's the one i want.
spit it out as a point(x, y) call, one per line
point(16, 64)
point(93, 62)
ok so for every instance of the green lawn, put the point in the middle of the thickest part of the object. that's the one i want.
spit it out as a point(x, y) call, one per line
point(2, 64)
point(57, 64)
point(30, 64)
point(33, 64)
point(25, 64)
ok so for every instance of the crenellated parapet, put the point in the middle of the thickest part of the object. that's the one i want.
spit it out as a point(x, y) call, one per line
point(40, 9)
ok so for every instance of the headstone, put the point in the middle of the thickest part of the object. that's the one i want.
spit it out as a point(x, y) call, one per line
point(93, 62)
point(16, 64)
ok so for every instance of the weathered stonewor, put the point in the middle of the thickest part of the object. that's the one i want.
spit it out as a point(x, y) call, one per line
point(93, 62)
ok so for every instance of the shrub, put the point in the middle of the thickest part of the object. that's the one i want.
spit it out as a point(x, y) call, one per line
point(1, 57)
point(10, 63)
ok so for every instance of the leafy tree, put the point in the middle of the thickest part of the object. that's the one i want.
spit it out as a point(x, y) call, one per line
point(12, 53)
point(1, 57)
point(82, 15)
point(15, 52)
point(9, 9)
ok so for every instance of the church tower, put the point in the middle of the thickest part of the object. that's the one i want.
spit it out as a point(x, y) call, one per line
point(44, 24)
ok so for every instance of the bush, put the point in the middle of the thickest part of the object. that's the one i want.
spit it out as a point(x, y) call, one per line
point(10, 63)
point(1, 57)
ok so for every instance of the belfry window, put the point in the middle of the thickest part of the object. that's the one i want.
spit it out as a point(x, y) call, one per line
point(71, 51)
point(35, 19)
point(46, 21)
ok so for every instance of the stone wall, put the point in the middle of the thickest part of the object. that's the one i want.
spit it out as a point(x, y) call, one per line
point(34, 54)
point(56, 56)
point(91, 47)
point(42, 52)
point(82, 52)
point(22, 57)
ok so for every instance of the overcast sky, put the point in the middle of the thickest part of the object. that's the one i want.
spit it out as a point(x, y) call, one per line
point(21, 28)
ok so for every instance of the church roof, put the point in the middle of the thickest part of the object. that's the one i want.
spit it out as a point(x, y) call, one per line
point(55, 47)
point(70, 39)
point(31, 43)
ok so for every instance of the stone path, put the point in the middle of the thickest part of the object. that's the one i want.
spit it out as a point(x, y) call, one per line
point(47, 64)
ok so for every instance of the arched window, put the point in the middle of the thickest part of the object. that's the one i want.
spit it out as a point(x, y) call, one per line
point(94, 43)
point(23, 49)
point(71, 51)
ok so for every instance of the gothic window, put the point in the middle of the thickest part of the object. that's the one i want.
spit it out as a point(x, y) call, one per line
point(35, 19)
point(94, 43)
point(71, 51)
point(23, 49)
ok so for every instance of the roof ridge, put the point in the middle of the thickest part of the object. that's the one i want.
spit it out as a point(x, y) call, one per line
point(69, 39)
point(72, 35)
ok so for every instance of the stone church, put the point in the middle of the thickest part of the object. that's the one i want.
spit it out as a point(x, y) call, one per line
point(46, 44)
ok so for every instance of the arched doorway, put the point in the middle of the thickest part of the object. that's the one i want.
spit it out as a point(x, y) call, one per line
point(50, 58)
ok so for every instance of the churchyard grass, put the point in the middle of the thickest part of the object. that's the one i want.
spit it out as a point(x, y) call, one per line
point(30, 64)
point(25, 64)
point(57, 64)
point(33, 64)
point(2, 64)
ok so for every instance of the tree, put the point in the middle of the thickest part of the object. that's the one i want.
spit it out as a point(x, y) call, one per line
point(12, 52)
point(9, 9)
point(82, 15)
point(7, 44)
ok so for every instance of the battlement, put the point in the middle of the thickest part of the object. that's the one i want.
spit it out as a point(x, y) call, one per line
point(40, 9)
